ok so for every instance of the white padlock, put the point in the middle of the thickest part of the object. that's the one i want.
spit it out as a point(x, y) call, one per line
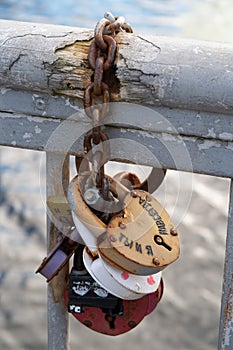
point(99, 273)
point(135, 283)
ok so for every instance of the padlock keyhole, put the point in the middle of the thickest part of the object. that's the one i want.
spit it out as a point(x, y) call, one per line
point(160, 241)
point(111, 321)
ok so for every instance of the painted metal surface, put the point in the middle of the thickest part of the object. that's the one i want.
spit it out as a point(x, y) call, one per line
point(56, 181)
point(226, 320)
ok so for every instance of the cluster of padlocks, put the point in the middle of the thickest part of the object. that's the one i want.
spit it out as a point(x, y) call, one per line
point(122, 240)
point(123, 237)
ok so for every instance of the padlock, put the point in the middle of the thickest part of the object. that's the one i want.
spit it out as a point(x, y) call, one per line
point(134, 312)
point(142, 240)
point(135, 283)
point(59, 255)
point(60, 209)
point(150, 184)
point(99, 310)
point(100, 274)
point(81, 209)
point(89, 225)
point(84, 290)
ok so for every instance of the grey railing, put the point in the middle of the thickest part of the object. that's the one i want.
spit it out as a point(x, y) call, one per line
point(43, 73)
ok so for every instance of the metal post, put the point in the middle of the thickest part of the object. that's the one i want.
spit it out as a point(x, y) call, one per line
point(225, 341)
point(56, 180)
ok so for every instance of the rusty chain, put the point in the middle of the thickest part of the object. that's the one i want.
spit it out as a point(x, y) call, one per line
point(101, 57)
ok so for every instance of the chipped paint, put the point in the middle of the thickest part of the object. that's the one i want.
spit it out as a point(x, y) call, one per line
point(27, 135)
point(171, 138)
point(4, 90)
point(207, 144)
point(14, 143)
point(69, 104)
point(42, 120)
point(230, 147)
point(37, 129)
point(228, 334)
point(226, 136)
point(211, 133)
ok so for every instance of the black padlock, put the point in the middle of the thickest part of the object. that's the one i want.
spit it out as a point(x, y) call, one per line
point(84, 291)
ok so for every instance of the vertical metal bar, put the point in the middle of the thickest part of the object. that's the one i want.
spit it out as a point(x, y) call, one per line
point(225, 341)
point(56, 181)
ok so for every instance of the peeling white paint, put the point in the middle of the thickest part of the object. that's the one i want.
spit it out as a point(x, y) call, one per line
point(42, 120)
point(37, 129)
point(27, 135)
point(4, 90)
point(211, 133)
point(226, 136)
point(230, 147)
point(68, 103)
point(217, 121)
point(35, 119)
point(207, 144)
point(171, 138)
point(14, 143)
point(161, 93)
point(222, 104)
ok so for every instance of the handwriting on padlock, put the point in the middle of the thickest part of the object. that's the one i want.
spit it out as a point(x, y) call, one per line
point(143, 240)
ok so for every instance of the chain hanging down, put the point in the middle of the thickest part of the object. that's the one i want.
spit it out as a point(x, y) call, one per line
point(101, 56)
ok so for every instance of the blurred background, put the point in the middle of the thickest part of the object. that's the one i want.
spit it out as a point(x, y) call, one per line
point(188, 315)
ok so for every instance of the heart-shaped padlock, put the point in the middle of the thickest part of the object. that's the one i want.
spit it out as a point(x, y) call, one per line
point(91, 304)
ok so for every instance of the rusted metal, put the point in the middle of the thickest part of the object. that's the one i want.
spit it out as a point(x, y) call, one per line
point(116, 26)
point(88, 100)
point(96, 128)
point(98, 76)
point(154, 180)
point(99, 33)
point(134, 313)
point(98, 89)
point(94, 52)
point(111, 51)
point(134, 250)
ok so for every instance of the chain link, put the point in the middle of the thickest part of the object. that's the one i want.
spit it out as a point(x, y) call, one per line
point(101, 56)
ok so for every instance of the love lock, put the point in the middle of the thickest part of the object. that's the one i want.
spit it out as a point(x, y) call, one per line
point(88, 224)
point(59, 255)
point(98, 309)
point(83, 203)
point(143, 239)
